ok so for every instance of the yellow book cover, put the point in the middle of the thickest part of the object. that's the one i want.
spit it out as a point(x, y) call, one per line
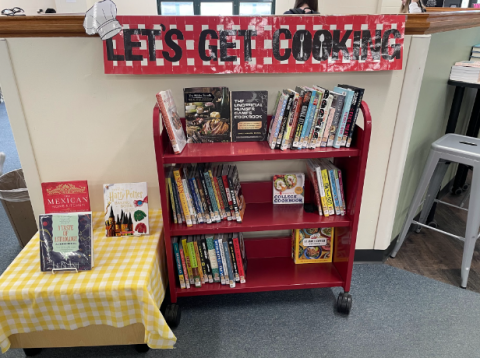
point(217, 197)
point(328, 191)
point(183, 198)
point(313, 245)
point(187, 260)
point(199, 262)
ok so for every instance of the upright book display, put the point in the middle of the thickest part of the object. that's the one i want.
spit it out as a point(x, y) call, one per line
point(270, 267)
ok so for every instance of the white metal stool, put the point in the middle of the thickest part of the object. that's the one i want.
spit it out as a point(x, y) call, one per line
point(450, 148)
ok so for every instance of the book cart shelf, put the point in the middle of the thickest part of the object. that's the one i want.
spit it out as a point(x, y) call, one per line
point(270, 265)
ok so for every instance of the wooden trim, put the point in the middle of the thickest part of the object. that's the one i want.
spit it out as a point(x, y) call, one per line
point(56, 25)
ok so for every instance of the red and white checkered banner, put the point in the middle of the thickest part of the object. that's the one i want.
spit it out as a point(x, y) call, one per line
point(150, 45)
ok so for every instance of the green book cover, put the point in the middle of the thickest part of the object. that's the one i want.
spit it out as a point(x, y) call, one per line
point(193, 262)
point(178, 260)
point(212, 255)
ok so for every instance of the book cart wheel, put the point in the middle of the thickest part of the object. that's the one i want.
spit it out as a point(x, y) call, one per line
point(142, 348)
point(344, 302)
point(172, 315)
point(31, 352)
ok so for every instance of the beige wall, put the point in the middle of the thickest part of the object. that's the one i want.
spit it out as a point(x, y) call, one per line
point(433, 109)
point(389, 6)
point(87, 125)
point(29, 6)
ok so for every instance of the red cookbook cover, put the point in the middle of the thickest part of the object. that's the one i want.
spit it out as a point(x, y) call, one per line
point(66, 197)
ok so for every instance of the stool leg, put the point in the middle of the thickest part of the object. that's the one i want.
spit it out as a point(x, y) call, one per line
point(473, 223)
point(417, 198)
point(433, 189)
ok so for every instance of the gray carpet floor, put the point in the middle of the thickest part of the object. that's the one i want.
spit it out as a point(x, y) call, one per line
point(395, 314)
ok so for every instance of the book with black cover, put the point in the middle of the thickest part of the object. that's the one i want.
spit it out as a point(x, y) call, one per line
point(66, 241)
point(249, 115)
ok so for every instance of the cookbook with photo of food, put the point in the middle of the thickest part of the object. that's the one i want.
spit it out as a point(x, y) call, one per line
point(207, 114)
point(289, 188)
point(311, 246)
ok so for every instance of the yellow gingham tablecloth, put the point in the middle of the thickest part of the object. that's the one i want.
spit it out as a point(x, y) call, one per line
point(124, 287)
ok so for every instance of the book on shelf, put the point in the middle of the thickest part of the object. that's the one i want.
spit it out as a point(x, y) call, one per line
point(311, 246)
point(289, 188)
point(289, 136)
point(354, 110)
point(205, 193)
point(338, 99)
point(66, 196)
point(66, 241)
point(219, 258)
point(126, 209)
point(207, 114)
point(348, 93)
point(312, 176)
point(171, 120)
point(249, 115)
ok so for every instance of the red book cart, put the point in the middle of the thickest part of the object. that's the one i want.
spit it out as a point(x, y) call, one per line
point(270, 265)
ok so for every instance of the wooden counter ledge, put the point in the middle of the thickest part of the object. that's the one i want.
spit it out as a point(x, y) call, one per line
point(58, 25)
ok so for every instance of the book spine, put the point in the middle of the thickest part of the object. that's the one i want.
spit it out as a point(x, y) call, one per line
point(199, 199)
point(308, 118)
point(178, 260)
point(325, 114)
point(339, 193)
point(195, 201)
point(354, 122)
point(207, 197)
point(342, 193)
point(229, 196)
point(294, 123)
point(331, 176)
point(184, 266)
point(201, 265)
point(218, 197)
point(223, 196)
point(318, 100)
point(168, 125)
point(288, 128)
point(194, 264)
point(301, 121)
point(321, 188)
point(351, 114)
point(187, 262)
point(319, 118)
point(336, 120)
point(203, 200)
point(212, 255)
point(272, 121)
point(238, 256)
point(176, 197)
point(231, 276)
point(206, 258)
point(172, 200)
point(191, 209)
point(219, 262)
point(312, 177)
point(283, 125)
point(233, 259)
point(213, 201)
point(183, 198)
point(278, 122)
point(326, 132)
point(224, 262)
point(337, 142)
point(328, 191)
point(234, 200)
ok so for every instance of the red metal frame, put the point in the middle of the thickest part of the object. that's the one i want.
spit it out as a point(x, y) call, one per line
point(270, 266)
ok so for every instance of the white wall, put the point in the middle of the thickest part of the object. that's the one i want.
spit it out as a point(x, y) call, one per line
point(389, 6)
point(87, 125)
point(29, 6)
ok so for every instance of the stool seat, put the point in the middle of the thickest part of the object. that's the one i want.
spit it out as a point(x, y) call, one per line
point(456, 144)
point(450, 148)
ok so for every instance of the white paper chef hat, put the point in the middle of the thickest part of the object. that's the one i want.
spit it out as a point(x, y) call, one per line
point(101, 19)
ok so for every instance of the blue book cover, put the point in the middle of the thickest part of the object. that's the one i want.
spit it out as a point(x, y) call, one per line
point(333, 185)
point(219, 262)
point(178, 260)
point(308, 118)
point(337, 142)
point(231, 280)
point(211, 194)
point(195, 200)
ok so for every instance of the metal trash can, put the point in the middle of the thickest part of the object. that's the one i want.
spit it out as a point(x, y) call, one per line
point(16, 202)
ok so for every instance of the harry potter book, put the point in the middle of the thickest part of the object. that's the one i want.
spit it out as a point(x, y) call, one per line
point(67, 196)
point(126, 209)
point(66, 241)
